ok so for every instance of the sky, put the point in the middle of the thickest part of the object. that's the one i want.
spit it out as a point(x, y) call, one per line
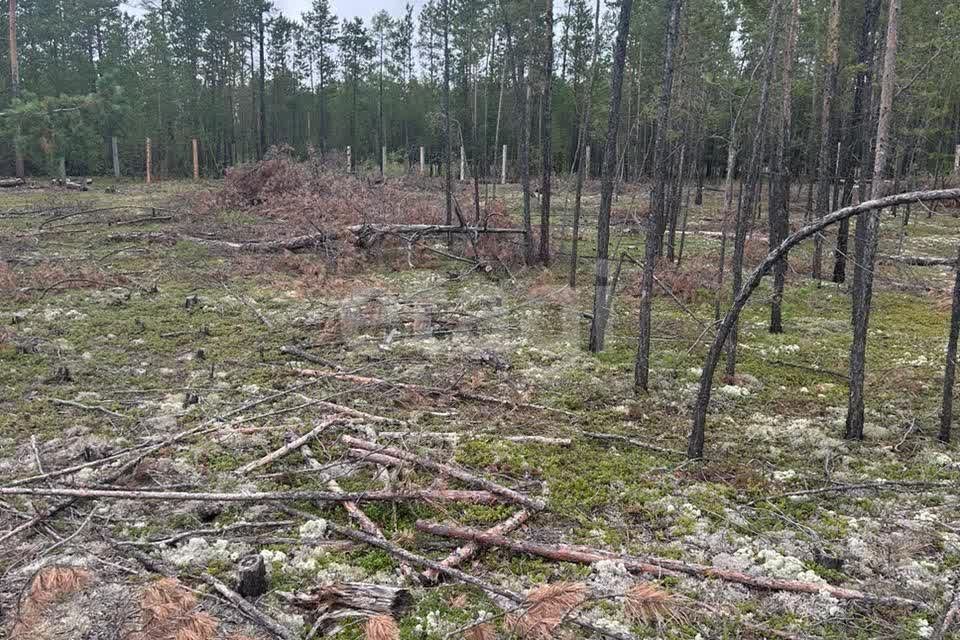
point(347, 8)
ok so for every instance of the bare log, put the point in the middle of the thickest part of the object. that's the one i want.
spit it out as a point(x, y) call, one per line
point(450, 470)
point(368, 234)
point(290, 446)
point(345, 599)
point(661, 566)
point(463, 553)
point(7, 183)
point(918, 261)
point(438, 495)
point(453, 437)
point(295, 243)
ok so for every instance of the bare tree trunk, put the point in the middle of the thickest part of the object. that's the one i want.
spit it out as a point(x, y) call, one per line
point(745, 210)
point(262, 121)
point(582, 167)
point(606, 185)
point(949, 371)
point(657, 218)
point(829, 90)
point(546, 123)
point(15, 79)
point(857, 147)
point(447, 142)
point(779, 209)
point(861, 321)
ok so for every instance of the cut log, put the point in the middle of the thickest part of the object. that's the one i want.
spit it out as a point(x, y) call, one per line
point(251, 576)
point(446, 469)
point(7, 183)
point(76, 186)
point(660, 566)
point(344, 599)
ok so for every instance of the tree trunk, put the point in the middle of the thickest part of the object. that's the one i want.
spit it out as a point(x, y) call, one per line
point(606, 184)
point(824, 165)
point(262, 121)
point(15, 79)
point(949, 371)
point(447, 152)
point(749, 198)
point(657, 217)
point(779, 209)
point(861, 320)
point(546, 151)
point(583, 162)
point(857, 147)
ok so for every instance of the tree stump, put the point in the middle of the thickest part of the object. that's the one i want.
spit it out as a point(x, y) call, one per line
point(251, 576)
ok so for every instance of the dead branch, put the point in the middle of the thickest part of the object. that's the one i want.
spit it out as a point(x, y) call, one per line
point(248, 609)
point(456, 574)
point(87, 407)
point(436, 495)
point(290, 446)
point(631, 441)
point(950, 616)
point(450, 470)
point(453, 437)
point(295, 243)
point(464, 395)
point(661, 566)
point(353, 510)
point(463, 553)
point(212, 531)
point(368, 234)
point(906, 485)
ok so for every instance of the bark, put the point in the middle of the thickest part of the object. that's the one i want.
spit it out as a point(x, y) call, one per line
point(606, 185)
point(658, 566)
point(447, 151)
point(546, 116)
point(779, 208)
point(832, 55)
point(748, 198)
point(582, 167)
point(251, 577)
point(861, 316)
point(262, 121)
point(696, 439)
point(14, 78)
point(349, 599)
point(657, 217)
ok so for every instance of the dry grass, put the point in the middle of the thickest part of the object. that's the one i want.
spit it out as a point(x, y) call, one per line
point(545, 608)
point(168, 612)
point(47, 586)
point(483, 631)
point(647, 603)
point(381, 627)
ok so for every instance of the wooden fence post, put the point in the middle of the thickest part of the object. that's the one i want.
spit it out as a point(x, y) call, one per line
point(116, 157)
point(422, 158)
point(148, 160)
point(503, 166)
point(196, 160)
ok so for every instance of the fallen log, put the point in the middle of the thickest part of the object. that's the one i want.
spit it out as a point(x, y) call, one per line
point(7, 183)
point(453, 437)
point(295, 243)
point(660, 566)
point(490, 588)
point(367, 234)
point(349, 599)
point(463, 553)
point(437, 495)
point(918, 261)
point(446, 469)
point(433, 391)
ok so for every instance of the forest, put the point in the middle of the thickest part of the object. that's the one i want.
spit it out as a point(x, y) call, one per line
point(509, 320)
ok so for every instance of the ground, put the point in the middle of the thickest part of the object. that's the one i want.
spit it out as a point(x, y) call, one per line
point(122, 327)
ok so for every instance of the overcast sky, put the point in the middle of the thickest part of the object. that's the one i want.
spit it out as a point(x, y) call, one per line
point(347, 8)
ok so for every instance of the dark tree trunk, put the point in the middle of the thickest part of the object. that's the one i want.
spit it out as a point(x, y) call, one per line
point(749, 199)
point(546, 118)
point(779, 210)
point(861, 316)
point(600, 295)
point(949, 371)
point(857, 146)
point(447, 159)
point(582, 165)
point(657, 218)
point(262, 122)
point(826, 114)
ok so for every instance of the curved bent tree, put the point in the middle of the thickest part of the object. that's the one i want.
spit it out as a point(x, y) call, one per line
point(695, 441)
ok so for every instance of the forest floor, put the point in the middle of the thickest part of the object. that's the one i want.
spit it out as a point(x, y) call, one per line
point(116, 334)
